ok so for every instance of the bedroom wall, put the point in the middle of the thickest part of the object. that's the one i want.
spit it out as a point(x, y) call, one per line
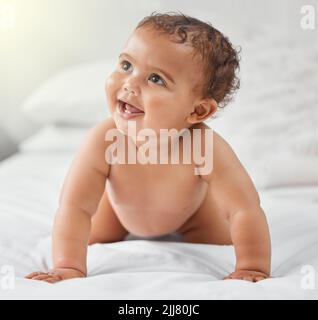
point(41, 37)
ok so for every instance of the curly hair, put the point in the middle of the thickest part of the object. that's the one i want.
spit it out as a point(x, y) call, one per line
point(220, 59)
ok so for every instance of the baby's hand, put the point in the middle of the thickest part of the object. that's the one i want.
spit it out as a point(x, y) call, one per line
point(56, 275)
point(248, 275)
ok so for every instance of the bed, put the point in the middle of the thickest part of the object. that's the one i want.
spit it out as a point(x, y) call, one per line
point(273, 128)
point(156, 268)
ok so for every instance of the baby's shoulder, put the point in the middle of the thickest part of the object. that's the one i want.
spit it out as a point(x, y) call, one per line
point(223, 154)
point(93, 147)
point(96, 135)
point(220, 145)
point(101, 128)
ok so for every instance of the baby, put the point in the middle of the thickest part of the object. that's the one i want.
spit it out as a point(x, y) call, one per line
point(173, 73)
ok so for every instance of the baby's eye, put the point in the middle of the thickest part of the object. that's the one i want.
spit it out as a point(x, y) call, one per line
point(157, 79)
point(125, 65)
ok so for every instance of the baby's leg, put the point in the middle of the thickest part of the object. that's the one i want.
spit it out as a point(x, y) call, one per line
point(105, 224)
point(207, 225)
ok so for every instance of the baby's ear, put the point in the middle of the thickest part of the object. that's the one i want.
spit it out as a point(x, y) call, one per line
point(202, 111)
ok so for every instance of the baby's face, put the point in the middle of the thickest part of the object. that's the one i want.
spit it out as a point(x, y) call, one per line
point(158, 77)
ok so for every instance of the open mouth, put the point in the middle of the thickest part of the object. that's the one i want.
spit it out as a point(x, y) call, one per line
point(128, 111)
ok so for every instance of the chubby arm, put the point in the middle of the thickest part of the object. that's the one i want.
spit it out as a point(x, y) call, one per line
point(234, 192)
point(79, 199)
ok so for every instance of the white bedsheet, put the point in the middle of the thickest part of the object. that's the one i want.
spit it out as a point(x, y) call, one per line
point(148, 268)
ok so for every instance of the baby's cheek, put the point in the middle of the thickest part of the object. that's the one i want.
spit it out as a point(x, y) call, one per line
point(110, 84)
point(111, 89)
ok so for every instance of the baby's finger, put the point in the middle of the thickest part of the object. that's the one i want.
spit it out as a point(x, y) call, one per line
point(230, 276)
point(259, 278)
point(55, 275)
point(41, 277)
point(34, 274)
point(248, 278)
point(53, 279)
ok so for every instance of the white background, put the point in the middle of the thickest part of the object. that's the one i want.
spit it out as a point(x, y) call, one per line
point(45, 36)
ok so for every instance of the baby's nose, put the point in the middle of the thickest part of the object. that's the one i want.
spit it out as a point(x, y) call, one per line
point(131, 88)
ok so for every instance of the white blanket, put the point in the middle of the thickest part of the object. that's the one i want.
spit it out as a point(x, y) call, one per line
point(30, 183)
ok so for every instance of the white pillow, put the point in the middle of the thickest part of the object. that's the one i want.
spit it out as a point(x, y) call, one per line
point(273, 123)
point(55, 139)
point(74, 96)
